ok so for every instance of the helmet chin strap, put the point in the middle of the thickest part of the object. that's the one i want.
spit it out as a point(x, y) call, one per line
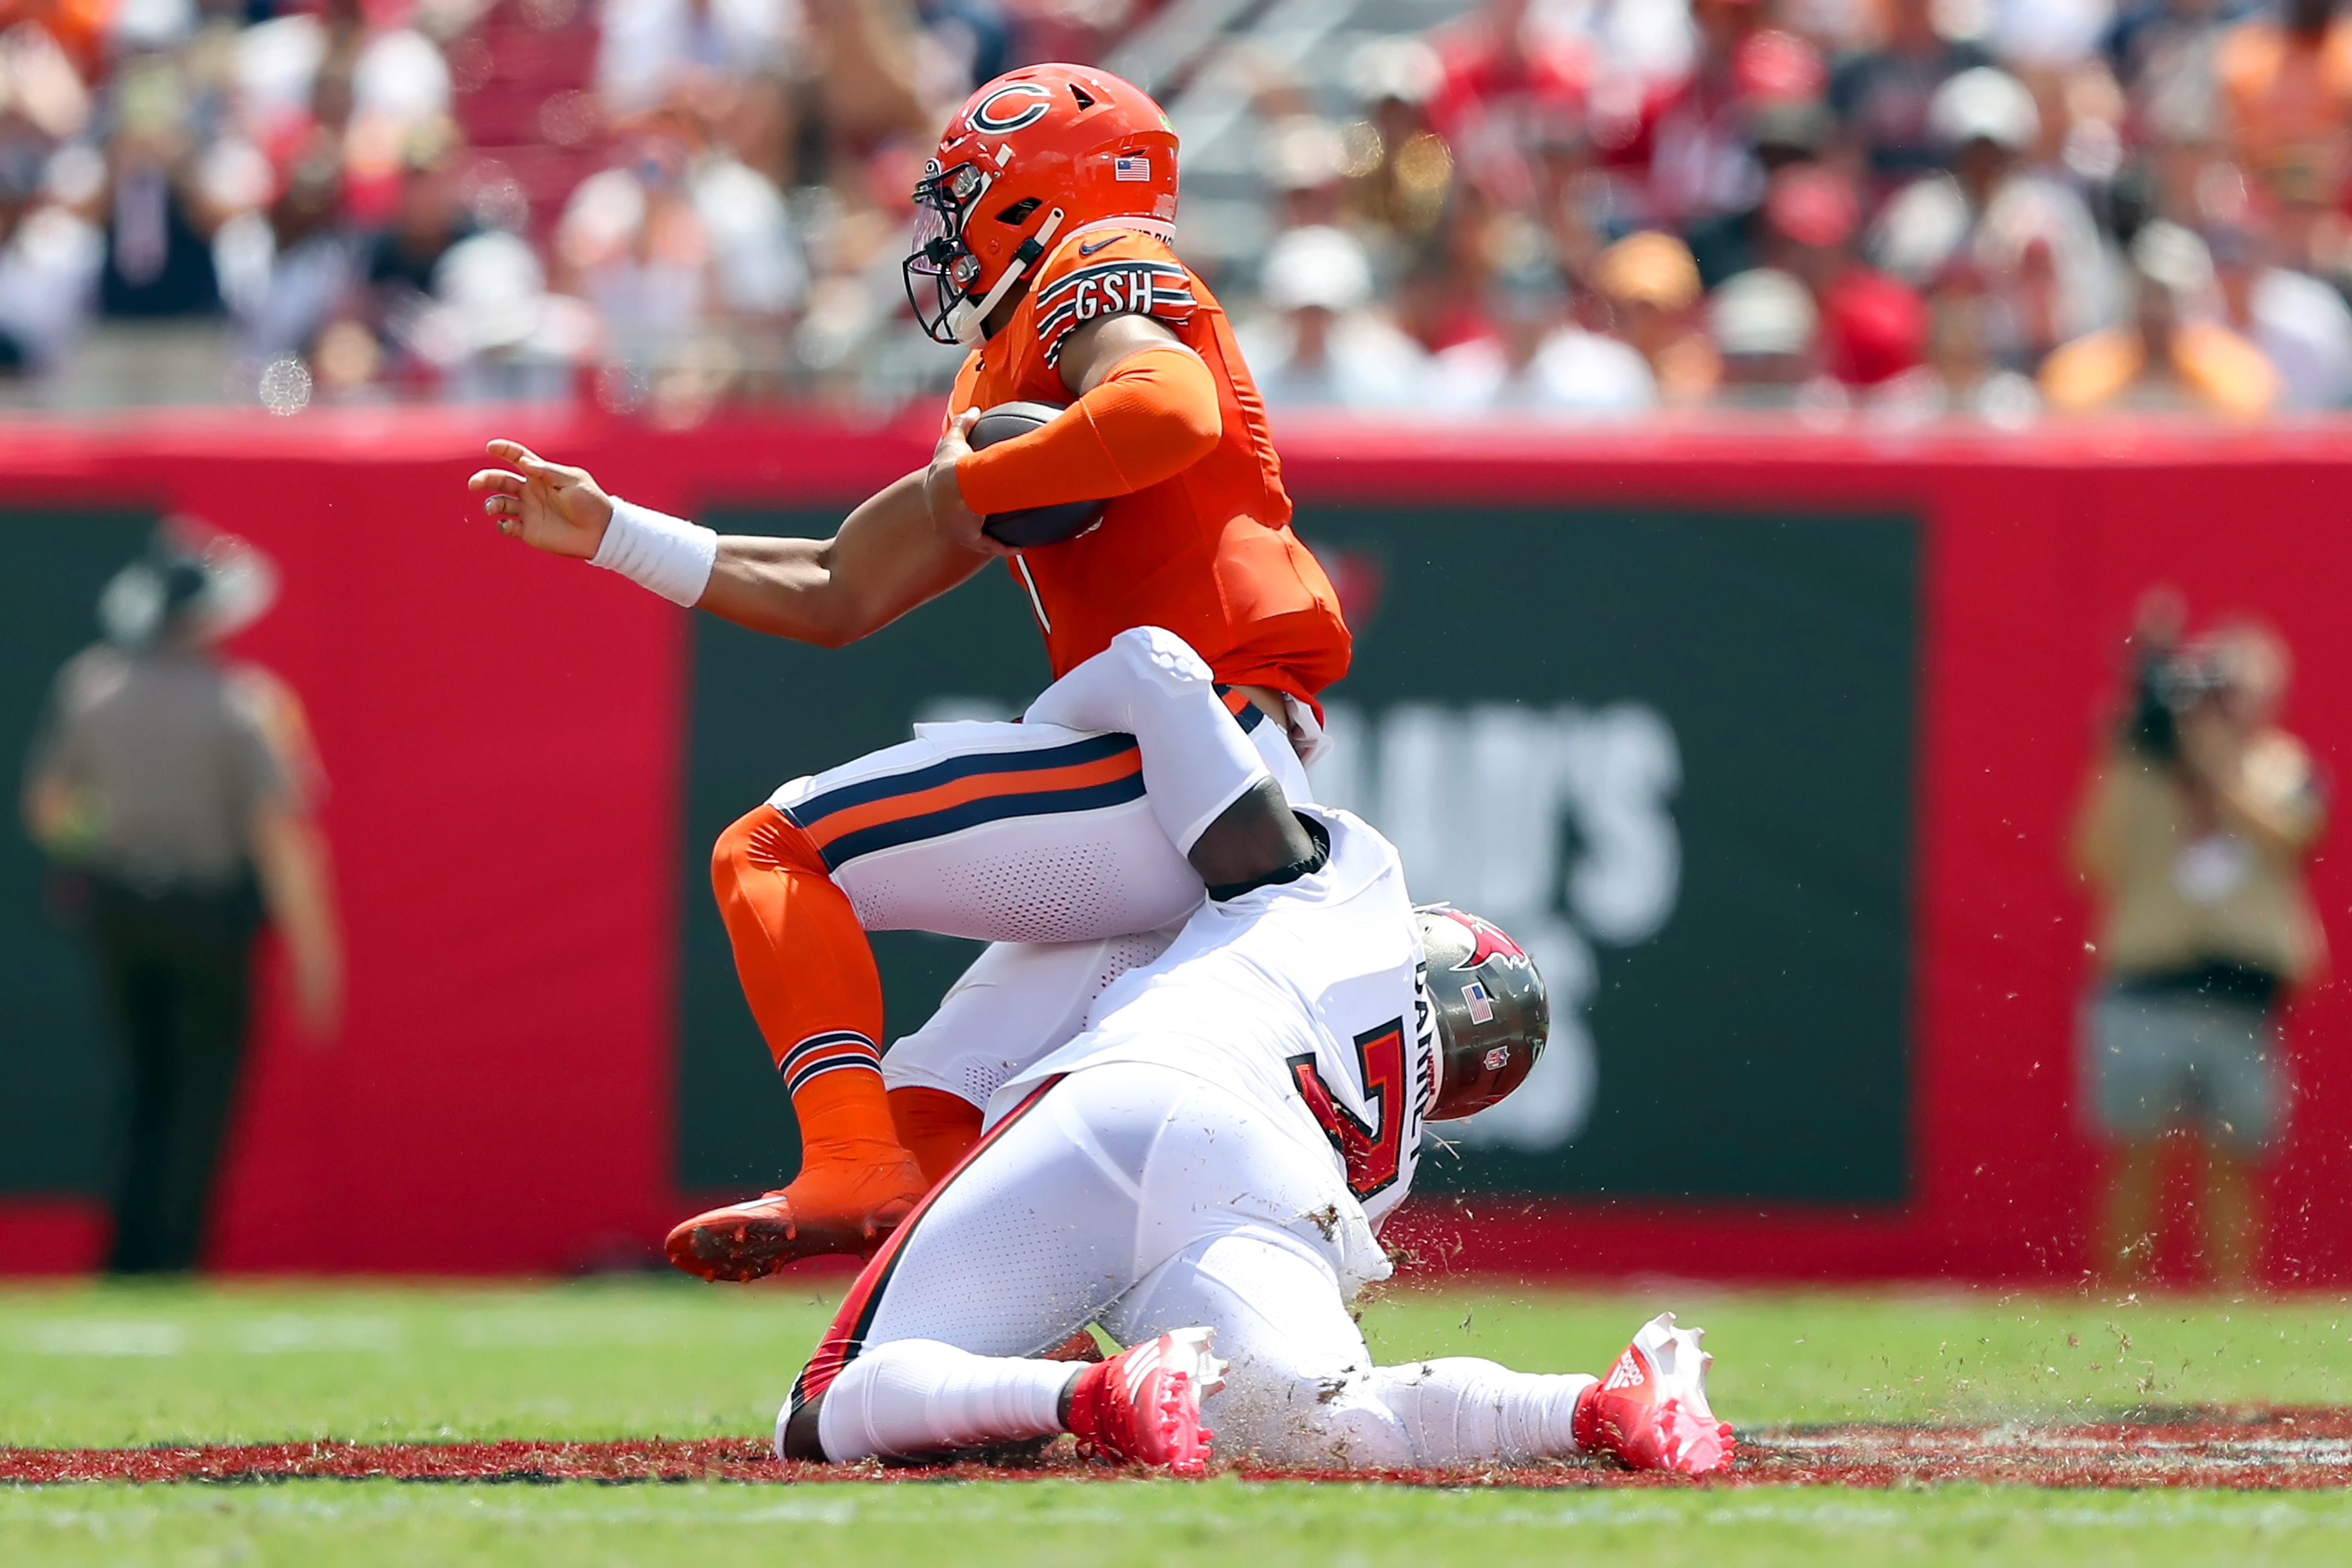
point(967, 319)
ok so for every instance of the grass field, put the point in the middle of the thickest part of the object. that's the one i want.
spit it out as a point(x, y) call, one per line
point(120, 1366)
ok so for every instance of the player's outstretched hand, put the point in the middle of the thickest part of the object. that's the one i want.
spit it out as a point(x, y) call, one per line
point(548, 506)
point(957, 523)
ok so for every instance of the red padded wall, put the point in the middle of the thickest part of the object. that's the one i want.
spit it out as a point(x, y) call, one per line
point(502, 733)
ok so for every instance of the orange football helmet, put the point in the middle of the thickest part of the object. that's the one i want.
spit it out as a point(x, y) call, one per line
point(1036, 155)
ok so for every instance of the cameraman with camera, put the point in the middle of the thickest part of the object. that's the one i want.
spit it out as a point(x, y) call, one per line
point(2194, 835)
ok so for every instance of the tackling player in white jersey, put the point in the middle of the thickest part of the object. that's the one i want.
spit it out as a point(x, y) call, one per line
point(1208, 1163)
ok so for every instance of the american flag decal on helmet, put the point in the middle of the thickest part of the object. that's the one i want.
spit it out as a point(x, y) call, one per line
point(1136, 168)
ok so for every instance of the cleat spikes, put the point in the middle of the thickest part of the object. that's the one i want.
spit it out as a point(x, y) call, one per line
point(1142, 1407)
point(844, 1208)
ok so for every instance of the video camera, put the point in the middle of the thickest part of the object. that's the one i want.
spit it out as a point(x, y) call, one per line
point(2168, 682)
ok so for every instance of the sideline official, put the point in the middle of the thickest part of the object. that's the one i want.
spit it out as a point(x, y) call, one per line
point(171, 788)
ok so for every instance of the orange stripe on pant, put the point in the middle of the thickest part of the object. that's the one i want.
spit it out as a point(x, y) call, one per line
point(939, 797)
point(807, 969)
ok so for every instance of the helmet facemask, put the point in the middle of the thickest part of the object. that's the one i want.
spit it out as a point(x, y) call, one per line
point(944, 202)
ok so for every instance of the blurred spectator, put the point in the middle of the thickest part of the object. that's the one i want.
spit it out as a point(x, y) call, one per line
point(1506, 89)
point(1872, 328)
point(2037, 36)
point(50, 255)
point(1535, 360)
point(1439, 304)
point(879, 79)
point(1765, 324)
point(1881, 95)
point(292, 271)
point(1324, 349)
point(341, 80)
point(1782, 134)
point(971, 41)
point(430, 217)
point(675, 235)
point(159, 255)
point(1652, 287)
point(2166, 357)
point(1400, 166)
point(176, 788)
point(2301, 325)
point(1969, 379)
point(650, 50)
point(2167, 53)
point(2044, 270)
point(1704, 162)
point(2287, 83)
point(43, 104)
point(2195, 832)
point(494, 330)
point(396, 263)
point(1306, 163)
point(729, 182)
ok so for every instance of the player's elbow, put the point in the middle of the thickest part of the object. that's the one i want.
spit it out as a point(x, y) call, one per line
point(1157, 415)
point(835, 632)
point(1163, 444)
point(1194, 428)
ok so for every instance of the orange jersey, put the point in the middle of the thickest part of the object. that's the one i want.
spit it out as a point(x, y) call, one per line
point(1209, 553)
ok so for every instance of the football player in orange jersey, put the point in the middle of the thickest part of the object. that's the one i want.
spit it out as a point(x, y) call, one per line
point(1045, 247)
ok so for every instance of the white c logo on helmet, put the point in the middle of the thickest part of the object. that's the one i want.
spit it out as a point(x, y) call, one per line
point(1010, 107)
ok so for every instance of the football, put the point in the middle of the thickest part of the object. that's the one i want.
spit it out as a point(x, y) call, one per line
point(1037, 524)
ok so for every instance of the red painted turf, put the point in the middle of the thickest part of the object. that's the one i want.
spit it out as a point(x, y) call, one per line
point(2269, 1450)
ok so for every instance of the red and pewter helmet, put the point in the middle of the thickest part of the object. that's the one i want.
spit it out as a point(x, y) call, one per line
point(1036, 155)
point(1491, 1013)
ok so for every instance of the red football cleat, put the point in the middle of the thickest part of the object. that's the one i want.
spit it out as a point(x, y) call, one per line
point(1651, 1411)
point(835, 1207)
point(1143, 1405)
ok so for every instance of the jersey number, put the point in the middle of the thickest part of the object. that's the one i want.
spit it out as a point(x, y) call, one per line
point(1372, 1152)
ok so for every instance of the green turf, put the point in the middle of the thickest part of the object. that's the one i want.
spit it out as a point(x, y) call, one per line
point(104, 1365)
point(967, 1526)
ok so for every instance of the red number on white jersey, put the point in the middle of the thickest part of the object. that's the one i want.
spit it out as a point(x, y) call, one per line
point(1373, 1152)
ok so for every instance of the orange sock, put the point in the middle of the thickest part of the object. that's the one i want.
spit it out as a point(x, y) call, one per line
point(808, 973)
point(936, 1127)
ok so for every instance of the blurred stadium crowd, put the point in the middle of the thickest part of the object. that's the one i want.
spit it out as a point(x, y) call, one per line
point(1993, 209)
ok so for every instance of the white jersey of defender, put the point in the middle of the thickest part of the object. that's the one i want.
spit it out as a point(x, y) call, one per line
point(1309, 997)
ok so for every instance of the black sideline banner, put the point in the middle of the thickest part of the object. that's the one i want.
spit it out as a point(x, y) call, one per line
point(1672, 753)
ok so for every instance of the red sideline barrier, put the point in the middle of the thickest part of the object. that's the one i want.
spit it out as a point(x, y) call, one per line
point(503, 735)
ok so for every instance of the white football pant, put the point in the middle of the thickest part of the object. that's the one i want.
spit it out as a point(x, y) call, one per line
point(1070, 825)
point(1149, 1199)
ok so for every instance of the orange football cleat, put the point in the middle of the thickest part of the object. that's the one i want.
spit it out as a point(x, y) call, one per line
point(838, 1206)
point(1651, 1411)
point(1142, 1407)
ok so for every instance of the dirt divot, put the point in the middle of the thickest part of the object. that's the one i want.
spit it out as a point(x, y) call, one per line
point(2260, 1450)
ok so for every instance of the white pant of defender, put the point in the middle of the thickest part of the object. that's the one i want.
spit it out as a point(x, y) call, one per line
point(1148, 1199)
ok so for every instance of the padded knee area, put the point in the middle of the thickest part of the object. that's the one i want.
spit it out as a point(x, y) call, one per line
point(762, 839)
point(1150, 684)
point(1159, 656)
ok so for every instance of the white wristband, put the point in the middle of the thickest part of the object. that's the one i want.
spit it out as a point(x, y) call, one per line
point(653, 550)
